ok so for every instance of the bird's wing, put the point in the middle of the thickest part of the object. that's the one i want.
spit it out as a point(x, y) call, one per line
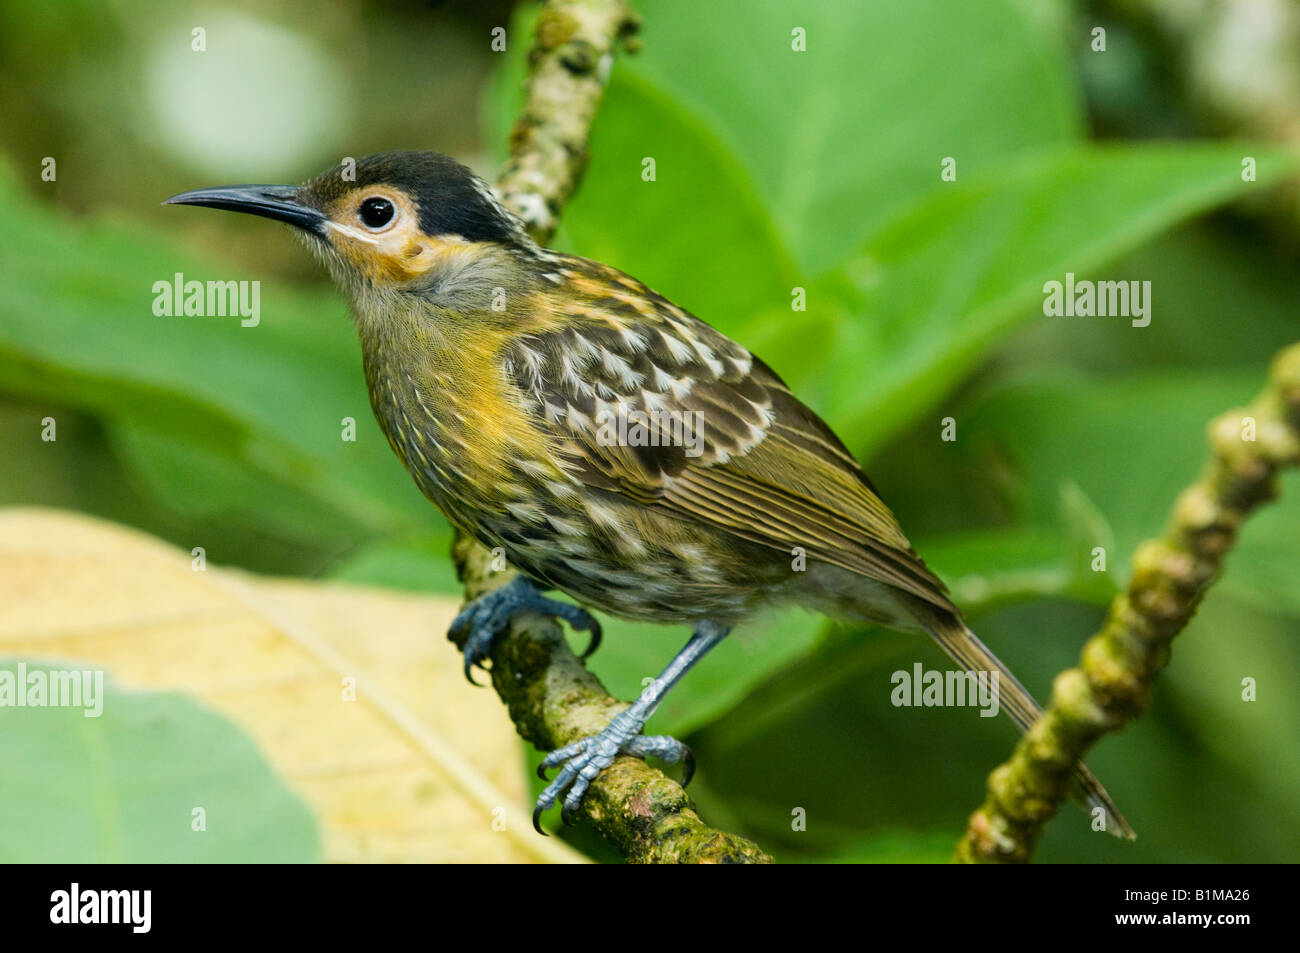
point(723, 441)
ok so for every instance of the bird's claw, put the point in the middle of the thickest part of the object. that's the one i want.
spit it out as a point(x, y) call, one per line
point(586, 758)
point(488, 616)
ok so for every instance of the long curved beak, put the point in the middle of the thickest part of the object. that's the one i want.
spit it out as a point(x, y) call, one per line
point(279, 202)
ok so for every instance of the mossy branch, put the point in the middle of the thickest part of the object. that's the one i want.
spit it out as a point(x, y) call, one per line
point(552, 698)
point(1113, 681)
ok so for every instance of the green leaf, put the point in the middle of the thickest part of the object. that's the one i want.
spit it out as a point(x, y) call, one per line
point(950, 278)
point(123, 787)
point(1258, 736)
point(987, 570)
point(1230, 299)
point(1087, 532)
point(840, 136)
point(1131, 443)
point(196, 479)
point(419, 564)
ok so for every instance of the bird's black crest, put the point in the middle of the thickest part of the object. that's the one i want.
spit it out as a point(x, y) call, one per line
point(451, 199)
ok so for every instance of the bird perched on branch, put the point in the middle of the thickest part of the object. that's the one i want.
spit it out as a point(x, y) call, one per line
point(616, 447)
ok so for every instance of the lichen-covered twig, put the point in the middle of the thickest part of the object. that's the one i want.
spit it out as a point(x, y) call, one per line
point(568, 66)
point(551, 697)
point(1112, 683)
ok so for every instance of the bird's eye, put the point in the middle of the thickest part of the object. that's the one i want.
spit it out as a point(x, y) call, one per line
point(376, 212)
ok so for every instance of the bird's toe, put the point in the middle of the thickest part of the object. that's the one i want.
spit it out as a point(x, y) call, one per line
point(581, 762)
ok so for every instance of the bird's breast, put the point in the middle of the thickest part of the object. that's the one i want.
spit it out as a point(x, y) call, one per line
point(453, 419)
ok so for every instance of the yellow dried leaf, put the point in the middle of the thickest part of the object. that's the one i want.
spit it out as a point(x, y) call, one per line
point(420, 767)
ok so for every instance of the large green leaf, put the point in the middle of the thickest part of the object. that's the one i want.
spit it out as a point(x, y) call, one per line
point(946, 281)
point(1227, 643)
point(843, 134)
point(124, 787)
point(1229, 301)
point(1132, 442)
point(418, 564)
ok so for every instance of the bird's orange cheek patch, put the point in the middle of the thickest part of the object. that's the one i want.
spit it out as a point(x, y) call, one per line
point(415, 258)
point(404, 263)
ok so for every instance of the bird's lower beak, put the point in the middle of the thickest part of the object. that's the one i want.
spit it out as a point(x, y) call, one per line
point(279, 202)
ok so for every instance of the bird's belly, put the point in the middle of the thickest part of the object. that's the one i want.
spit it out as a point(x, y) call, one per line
point(638, 564)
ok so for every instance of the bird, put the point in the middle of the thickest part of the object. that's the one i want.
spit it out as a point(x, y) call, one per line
point(614, 446)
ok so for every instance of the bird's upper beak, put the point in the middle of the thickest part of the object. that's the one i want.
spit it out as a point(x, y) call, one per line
point(280, 202)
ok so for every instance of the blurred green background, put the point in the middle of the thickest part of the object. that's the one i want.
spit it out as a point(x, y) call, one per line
point(776, 169)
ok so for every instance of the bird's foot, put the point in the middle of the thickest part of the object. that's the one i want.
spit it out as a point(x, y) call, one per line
point(585, 759)
point(488, 616)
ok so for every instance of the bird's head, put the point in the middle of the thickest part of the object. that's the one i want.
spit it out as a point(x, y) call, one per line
point(395, 220)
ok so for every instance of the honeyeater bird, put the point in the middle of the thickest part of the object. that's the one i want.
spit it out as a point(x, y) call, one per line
point(615, 446)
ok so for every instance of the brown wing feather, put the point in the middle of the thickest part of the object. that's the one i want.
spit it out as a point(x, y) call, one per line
point(768, 470)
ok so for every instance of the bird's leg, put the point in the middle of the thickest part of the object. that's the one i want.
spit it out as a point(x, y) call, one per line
point(488, 616)
point(586, 758)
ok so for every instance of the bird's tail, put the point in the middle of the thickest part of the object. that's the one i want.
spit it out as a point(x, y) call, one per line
point(970, 653)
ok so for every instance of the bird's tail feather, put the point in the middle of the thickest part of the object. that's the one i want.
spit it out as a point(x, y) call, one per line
point(962, 645)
